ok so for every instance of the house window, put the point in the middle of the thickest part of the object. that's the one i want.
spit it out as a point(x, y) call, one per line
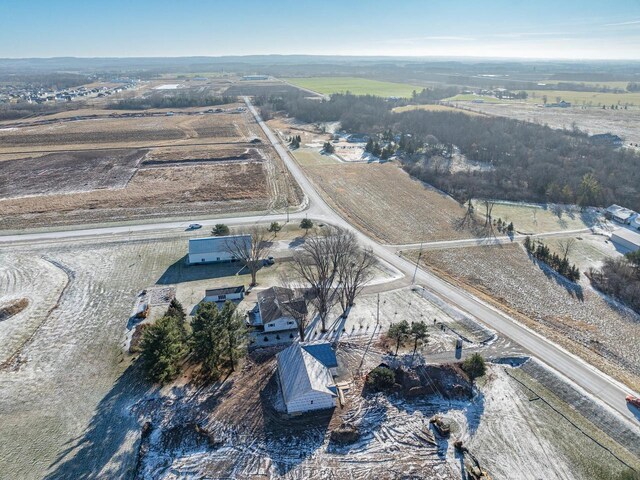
point(271, 325)
point(289, 322)
point(266, 339)
point(291, 335)
point(222, 297)
point(311, 402)
point(202, 260)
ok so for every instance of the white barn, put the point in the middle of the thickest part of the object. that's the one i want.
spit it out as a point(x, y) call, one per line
point(215, 249)
point(626, 238)
point(306, 378)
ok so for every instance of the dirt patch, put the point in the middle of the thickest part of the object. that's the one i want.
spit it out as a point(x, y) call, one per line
point(68, 172)
point(12, 308)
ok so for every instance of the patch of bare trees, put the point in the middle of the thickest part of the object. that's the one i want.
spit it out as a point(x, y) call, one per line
point(250, 253)
point(333, 267)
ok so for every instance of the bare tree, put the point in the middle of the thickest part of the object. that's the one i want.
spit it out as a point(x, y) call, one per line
point(355, 269)
point(317, 265)
point(488, 207)
point(566, 246)
point(250, 253)
point(296, 304)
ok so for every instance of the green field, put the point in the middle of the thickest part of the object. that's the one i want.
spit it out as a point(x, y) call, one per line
point(310, 158)
point(355, 85)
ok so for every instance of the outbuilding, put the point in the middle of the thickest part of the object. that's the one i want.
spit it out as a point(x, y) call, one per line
point(305, 376)
point(627, 239)
point(217, 249)
point(223, 294)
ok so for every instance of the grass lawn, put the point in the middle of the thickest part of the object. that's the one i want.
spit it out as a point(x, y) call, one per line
point(355, 85)
point(578, 98)
point(310, 158)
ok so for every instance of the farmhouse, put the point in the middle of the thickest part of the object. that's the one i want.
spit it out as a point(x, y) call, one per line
point(306, 378)
point(627, 239)
point(224, 294)
point(619, 214)
point(215, 249)
point(273, 319)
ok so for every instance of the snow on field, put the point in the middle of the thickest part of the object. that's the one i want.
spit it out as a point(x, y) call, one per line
point(168, 86)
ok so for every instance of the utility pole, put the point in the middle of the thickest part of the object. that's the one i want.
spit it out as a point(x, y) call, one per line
point(378, 313)
point(415, 272)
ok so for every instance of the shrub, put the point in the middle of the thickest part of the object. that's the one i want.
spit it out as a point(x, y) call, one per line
point(381, 378)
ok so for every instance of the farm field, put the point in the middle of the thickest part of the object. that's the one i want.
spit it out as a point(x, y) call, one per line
point(354, 85)
point(433, 108)
point(532, 219)
point(94, 170)
point(590, 99)
point(387, 203)
point(574, 316)
point(309, 157)
point(591, 120)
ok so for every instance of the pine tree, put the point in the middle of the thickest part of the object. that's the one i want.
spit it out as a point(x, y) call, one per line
point(205, 337)
point(163, 347)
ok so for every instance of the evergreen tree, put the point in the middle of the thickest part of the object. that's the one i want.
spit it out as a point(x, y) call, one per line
point(163, 347)
point(306, 224)
point(233, 335)
point(474, 366)
point(220, 230)
point(399, 332)
point(205, 337)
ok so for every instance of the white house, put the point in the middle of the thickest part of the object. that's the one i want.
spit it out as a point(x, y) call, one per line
point(276, 310)
point(306, 380)
point(224, 294)
point(619, 214)
point(215, 249)
point(626, 238)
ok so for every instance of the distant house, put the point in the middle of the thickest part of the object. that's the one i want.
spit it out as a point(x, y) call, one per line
point(619, 214)
point(607, 139)
point(215, 249)
point(358, 138)
point(306, 378)
point(627, 239)
point(255, 77)
point(224, 294)
point(560, 104)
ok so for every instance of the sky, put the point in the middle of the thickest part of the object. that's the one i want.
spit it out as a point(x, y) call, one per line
point(567, 29)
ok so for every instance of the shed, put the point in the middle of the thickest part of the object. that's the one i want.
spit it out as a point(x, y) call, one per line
point(216, 249)
point(627, 239)
point(306, 382)
point(223, 294)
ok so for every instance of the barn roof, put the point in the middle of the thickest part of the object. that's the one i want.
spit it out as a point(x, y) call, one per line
point(301, 373)
point(223, 291)
point(215, 244)
point(323, 352)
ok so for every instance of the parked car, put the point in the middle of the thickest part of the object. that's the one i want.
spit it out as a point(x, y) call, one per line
point(635, 401)
point(194, 226)
point(269, 261)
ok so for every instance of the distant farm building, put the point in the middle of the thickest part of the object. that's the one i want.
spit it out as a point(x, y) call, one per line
point(215, 249)
point(305, 372)
point(224, 294)
point(560, 104)
point(255, 77)
point(607, 139)
point(627, 239)
point(619, 214)
point(358, 138)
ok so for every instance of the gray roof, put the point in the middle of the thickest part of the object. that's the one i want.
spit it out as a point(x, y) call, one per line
point(276, 302)
point(323, 352)
point(301, 373)
point(223, 291)
point(213, 244)
point(626, 234)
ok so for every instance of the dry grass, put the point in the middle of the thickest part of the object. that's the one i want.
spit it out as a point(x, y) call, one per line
point(436, 108)
point(576, 317)
point(387, 203)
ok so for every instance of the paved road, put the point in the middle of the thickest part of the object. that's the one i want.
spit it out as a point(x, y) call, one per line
point(584, 375)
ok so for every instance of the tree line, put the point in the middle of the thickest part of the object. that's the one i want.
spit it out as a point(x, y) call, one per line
point(526, 161)
point(175, 101)
point(558, 263)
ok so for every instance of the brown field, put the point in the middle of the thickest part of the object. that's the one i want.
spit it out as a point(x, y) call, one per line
point(575, 316)
point(591, 120)
point(126, 168)
point(387, 203)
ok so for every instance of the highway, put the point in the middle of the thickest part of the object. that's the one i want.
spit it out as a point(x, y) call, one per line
point(600, 385)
